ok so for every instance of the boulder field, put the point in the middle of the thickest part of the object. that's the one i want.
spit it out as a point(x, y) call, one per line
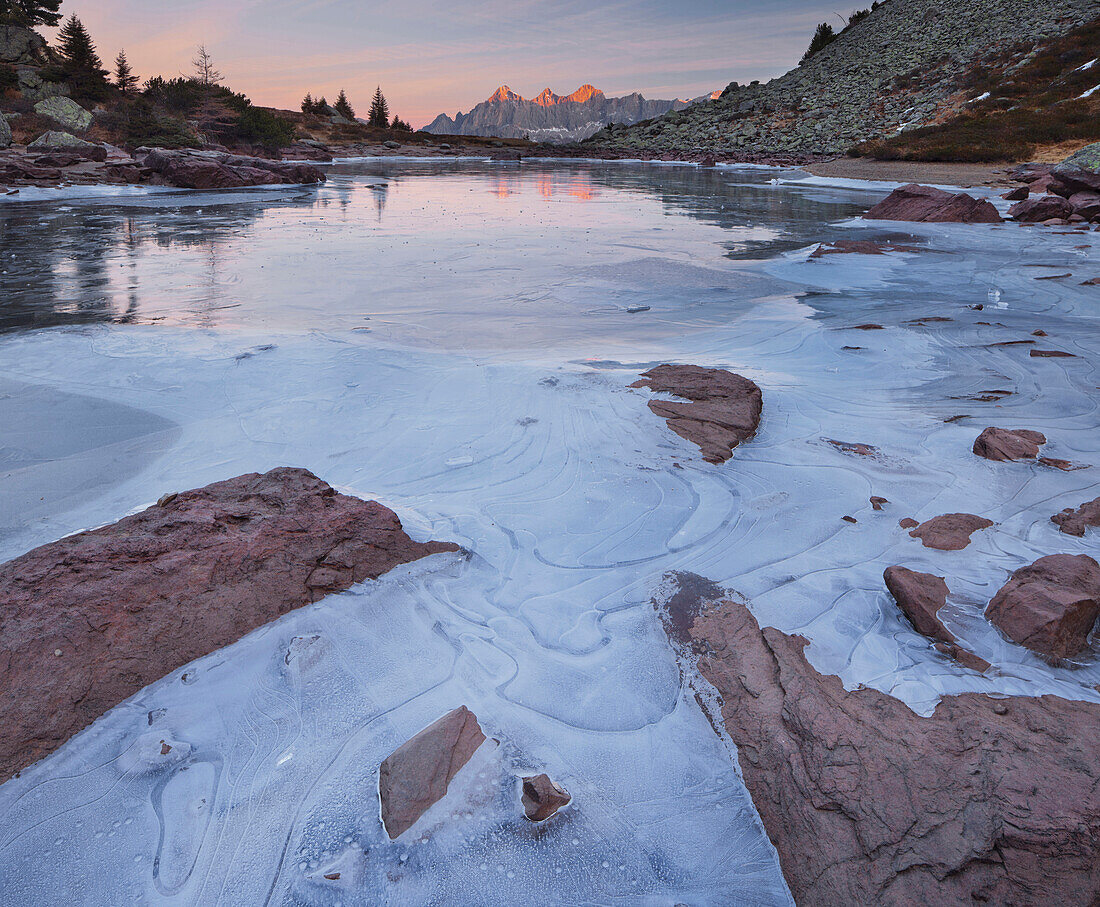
point(89, 620)
point(988, 800)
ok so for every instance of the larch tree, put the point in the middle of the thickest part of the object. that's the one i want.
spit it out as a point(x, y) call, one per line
point(205, 73)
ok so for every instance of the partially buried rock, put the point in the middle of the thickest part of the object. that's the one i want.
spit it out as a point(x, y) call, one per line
point(907, 522)
point(1075, 522)
point(949, 532)
point(1040, 208)
point(920, 597)
point(877, 502)
point(542, 798)
point(89, 620)
point(418, 773)
point(723, 411)
point(1050, 606)
point(1001, 444)
point(988, 800)
point(217, 170)
point(927, 204)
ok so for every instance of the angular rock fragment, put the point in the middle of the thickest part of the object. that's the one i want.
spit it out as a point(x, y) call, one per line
point(542, 798)
point(1075, 522)
point(1001, 444)
point(927, 204)
point(1050, 606)
point(877, 502)
point(949, 532)
point(723, 411)
point(907, 523)
point(130, 602)
point(1051, 354)
point(988, 800)
point(1040, 208)
point(418, 773)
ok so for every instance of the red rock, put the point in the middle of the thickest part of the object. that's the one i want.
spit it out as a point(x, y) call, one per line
point(418, 773)
point(853, 447)
point(1039, 333)
point(860, 247)
point(849, 519)
point(1055, 463)
point(216, 170)
point(988, 800)
point(1085, 204)
point(1051, 354)
point(130, 602)
point(1049, 606)
point(907, 523)
point(723, 411)
point(1041, 208)
point(877, 502)
point(1075, 522)
point(542, 797)
point(869, 326)
point(926, 204)
point(1008, 444)
point(949, 532)
point(1016, 195)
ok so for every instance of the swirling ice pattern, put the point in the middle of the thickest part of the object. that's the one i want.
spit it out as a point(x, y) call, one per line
point(574, 501)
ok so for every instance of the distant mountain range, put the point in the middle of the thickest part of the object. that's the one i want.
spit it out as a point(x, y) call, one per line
point(551, 117)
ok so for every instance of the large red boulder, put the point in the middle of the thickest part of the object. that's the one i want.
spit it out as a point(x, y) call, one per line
point(89, 620)
point(949, 532)
point(720, 409)
point(1040, 208)
point(1050, 606)
point(1001, 444)
point(988, 800)
point(1075, 522)
point(928, 204)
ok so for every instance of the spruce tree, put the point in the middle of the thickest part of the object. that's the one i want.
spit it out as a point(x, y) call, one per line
point(823, 37)
point(124, 76)
point(321, 107)
point(400, 125)
point(29, 13)
point(379, 110)
point(80, 64)
point(308, 103)
point(343, 107)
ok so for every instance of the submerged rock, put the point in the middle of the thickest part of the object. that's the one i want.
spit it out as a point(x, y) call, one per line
point(417, 773)
point(1001, 444)
point(949, 532)
point(1075, 522)
point(89, 620)
point(217, 170)
point(542, 798)
point(927, 204)
point(1050, 606)
point(987, 800)
point(723, 411)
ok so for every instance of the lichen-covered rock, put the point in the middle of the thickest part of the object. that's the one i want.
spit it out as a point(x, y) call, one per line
point(927, 204)
point(1001, 444)
point(1075, 522)
point(1050, 606)
point(949, 532)
point(988, 800)
point(53, 141)
point(22, 46)
point(1079, 172)
point(89, 620)
point(5, 132)
point(64, 111)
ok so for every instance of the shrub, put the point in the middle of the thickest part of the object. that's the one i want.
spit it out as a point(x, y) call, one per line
point(264, 128)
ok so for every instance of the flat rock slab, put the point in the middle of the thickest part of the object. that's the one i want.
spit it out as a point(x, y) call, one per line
point(1075, 522)
point(217, 170)
point(1001, 444)
point(723, 409)
point(418, 773)
point(920, 597)
point(87, 621)
point(950, 531)
point(926, 204)
point(988, 800)
point(1050, 606)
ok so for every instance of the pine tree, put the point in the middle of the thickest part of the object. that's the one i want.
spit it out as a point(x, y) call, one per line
point(29, 13)
point(80, 64)
point(823, 37)
point(205, 73)
point(379, 110)
point(124, 76)
point(308, 104)
point(343, 107)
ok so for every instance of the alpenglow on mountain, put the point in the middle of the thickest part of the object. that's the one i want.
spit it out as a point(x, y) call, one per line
point(551, 117)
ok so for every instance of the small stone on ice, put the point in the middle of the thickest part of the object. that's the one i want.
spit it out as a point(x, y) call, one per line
point(634, 309)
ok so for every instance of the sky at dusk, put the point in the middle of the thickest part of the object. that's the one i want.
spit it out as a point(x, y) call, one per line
point(432, 57)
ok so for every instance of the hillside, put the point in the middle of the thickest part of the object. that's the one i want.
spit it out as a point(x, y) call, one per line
point(550, 117)
point(905, 64)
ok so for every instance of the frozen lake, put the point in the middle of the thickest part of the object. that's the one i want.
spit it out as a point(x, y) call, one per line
point(457, 341)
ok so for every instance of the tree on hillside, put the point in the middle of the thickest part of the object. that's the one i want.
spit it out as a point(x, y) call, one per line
point(80, 64)
point(124, 76)
point(343, 106)
point(400, 125)
point(204, 67)
point(379, 110)
point(29, 13)
point(823, 37)
point(308, 104)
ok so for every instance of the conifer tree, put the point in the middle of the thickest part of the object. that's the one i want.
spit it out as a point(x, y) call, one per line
point(823, 37)
point(343, 107)
point(29, 13)
point(205, 73)
point(308, 104)
point(321, 107)
point(379, 110)
point(400, 125)
point(124, 75)
point(80, 64)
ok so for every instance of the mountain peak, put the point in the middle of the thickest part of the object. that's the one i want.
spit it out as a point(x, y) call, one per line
point(547, 98)
point(583, 94)
point(504, 93)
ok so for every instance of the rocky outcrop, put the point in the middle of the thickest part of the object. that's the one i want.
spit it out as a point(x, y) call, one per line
point(541, 797)
point(920, 597)
point(951, 531)
point(217, 170)
point(22, 46)
point(926, 204)
point(1041, 208)
point(58, 141)
point(1075, 522)
point(1079, 172)
point(1050, 606)
point(723, 411)
point(988, 800)
point(64, 111)
point(418, 773)
point(1001, 444)
point(89, 620)
point(5, 132)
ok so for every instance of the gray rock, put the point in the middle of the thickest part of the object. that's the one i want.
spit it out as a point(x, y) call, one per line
point(65, 111)
point(21, 46)
point(391, 144)
point(34, 88)
point(54, 140)
point(5, 133)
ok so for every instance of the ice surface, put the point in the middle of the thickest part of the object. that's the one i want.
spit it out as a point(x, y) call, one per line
point(458, 346)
